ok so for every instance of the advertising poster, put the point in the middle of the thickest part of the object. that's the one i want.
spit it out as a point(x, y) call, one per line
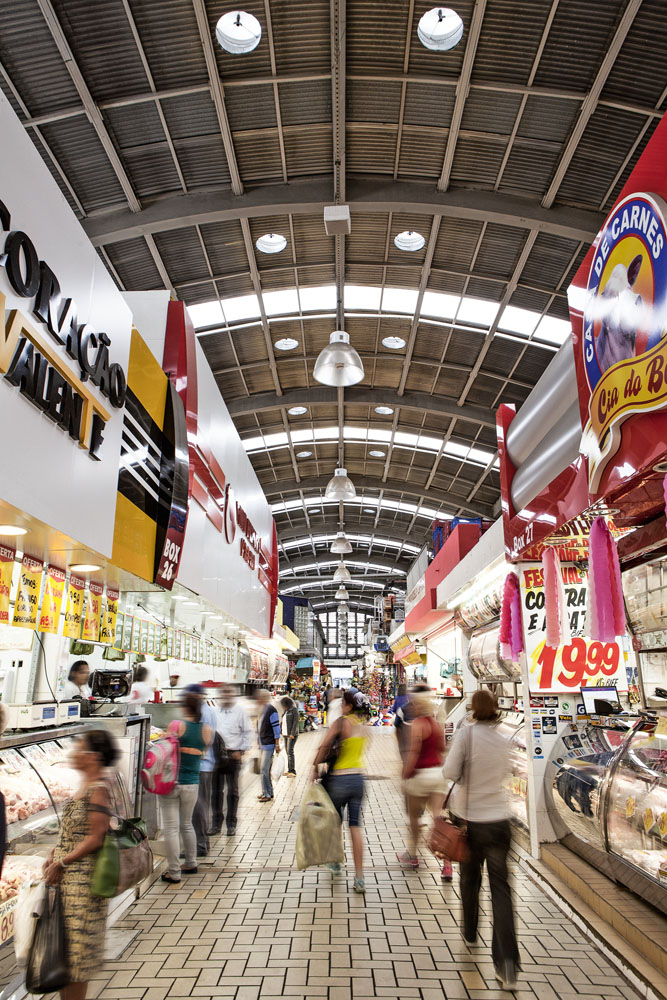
point(119, 632)
point(136, 635)
point(27, 596)
point(143, 637)
point(178, 645)
point(54, 587)
point(150, 648)
point(579, 663)
point(109, 617)
point(170, 641)
point(6, 569)
point(72, 628)
point(128, 629)
point(91, 621)
point(186, 648)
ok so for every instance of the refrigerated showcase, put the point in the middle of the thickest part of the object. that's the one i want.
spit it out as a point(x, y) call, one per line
point(607, 797)
point(514, 728)
point(485, 660)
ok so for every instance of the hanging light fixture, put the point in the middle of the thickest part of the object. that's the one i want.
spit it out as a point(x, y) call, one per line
point(440, 29)
point(342, 574)
point(343, 608)
point(340, 545)
point(238, 32)
point(340, 487)
point(342, 594)
point(338, 363)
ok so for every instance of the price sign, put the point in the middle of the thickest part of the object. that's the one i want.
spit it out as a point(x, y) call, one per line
point(13, 761)
point(35, 754)
point(7, 919)
point(579, 663)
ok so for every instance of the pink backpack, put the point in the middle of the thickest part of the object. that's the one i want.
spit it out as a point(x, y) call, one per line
point(160, 771)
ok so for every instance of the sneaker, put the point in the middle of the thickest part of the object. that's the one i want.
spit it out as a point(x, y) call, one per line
point(506, 976)
point(446, 873)
point(231, 830)
point(214, 832)
point(290, 774)
point(189, 871)
point(334, 868)
point(287, 774)
point(170, 880)
point(360, 884)
point(408, 860)
point(265, 798)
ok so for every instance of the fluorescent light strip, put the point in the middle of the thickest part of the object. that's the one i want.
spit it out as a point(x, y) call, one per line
point(391, 543)
point(387, 504)
point(348, 563)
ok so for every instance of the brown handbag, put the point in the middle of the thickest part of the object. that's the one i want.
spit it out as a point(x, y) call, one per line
point(447, 839)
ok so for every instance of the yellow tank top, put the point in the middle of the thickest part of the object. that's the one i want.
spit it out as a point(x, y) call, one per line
point(351, 756)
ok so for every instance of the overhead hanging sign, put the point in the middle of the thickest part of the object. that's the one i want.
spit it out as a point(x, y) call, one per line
point(7, 557)
point(26, 601)
point(579, 663)
point(108, 629)
point(72, 626)
point(52, 600)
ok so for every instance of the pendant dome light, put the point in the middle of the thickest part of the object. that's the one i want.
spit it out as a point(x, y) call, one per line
point(341, 546)
point(340, 487)
point(342, 574)
point(440, 29)
point(342, 594)
point(338, 363)
point(343, 608)
point(238, 32)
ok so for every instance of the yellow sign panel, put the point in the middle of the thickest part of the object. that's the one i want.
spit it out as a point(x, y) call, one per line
point(91, 621)
point(72, 628)
point(108, 630)
point(52, 600)
point(27, 597)
point(6, 569)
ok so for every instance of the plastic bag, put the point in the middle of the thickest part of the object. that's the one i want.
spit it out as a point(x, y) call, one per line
point(47, 969)
point(319, 837)
point(29, 905)
point(279, 765)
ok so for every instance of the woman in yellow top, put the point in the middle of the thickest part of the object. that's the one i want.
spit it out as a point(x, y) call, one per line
point(346, 741)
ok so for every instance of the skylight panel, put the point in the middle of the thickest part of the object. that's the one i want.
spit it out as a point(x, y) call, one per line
point(206, 314)
point(522, 321)
point(362, 297)
point(281, 303)
point(440, 305)
point(401, 300)
point(553, 330)
point(241, 307)
point(319, 298)
point(479, 311)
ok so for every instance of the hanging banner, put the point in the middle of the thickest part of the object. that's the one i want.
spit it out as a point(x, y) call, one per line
point(72, 628)
point(91, 621)
point(27, 597)
point(7, 557)
point(120, 631)
point(51, 602)
point(108, 630)
point(581, 662)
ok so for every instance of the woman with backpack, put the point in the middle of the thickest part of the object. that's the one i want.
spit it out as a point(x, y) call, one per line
point(177, 807)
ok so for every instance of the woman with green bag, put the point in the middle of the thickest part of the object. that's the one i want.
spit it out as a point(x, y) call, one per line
point(71, 865)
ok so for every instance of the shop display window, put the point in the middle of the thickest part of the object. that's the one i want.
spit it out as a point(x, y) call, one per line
point(637, 803)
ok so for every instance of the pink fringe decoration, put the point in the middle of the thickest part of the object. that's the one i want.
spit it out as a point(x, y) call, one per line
point(511, 636)
point(557, 619)
point(605, 611)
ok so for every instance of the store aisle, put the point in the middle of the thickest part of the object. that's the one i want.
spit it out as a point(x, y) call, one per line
point(249, 925)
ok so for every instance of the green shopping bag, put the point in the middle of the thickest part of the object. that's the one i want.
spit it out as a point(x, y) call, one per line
point(124, 859)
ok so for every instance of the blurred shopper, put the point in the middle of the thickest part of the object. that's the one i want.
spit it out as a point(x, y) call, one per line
point(71, 864)
point(201, 816)
point(178, 806)
point(479, 762)
point(289, 728)
point(269, 741)
point(343, 748)
point(423, 782)
point(76, 685)
point(398, 704)
point(236, 737)
point(335, 706)
point(141, 691)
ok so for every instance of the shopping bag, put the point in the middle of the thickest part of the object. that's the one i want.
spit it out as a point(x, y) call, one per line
point(29, 904)
point(47, 969)
point(124, 860)
point(279, 765)
point(319, 837)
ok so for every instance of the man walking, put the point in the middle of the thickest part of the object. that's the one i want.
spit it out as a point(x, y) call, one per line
point(269, 741)
point(201, 817)
point(236, 736)
point(289, 728)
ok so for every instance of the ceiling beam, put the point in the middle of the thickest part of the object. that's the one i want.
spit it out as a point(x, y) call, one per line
point(434, 497)
point(362, 395)
point(423, 283)
point(590, 101)
point(326, 581)
point(462, 89)
point(257, 285)
point(386, 534)
point(368, 195)
point(381, 562)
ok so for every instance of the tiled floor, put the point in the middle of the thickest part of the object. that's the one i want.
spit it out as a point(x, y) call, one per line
point(250, 925)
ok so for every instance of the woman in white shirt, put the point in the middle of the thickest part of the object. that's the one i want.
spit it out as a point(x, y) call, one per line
point(76, 685)
point(479, 761)
point(141, 690)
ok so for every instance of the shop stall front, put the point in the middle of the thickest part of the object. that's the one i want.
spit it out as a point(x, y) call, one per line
point(134, 533)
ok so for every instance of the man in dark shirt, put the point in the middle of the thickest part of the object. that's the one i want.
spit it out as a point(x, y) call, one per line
point(269, 741)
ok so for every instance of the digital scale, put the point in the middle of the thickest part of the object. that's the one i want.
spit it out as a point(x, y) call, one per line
point(33, 716)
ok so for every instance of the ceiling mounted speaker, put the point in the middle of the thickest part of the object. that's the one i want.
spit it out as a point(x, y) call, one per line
point(338, 363)
point(340, 487)
point(340, 545)
point(342, 574)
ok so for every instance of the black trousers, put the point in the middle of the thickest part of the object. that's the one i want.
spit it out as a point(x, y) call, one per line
point(201, 816)
point(289, 750)
point(225, 784)
point(490, 843)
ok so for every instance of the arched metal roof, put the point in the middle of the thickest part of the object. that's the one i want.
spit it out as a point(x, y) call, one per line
point(504, 153)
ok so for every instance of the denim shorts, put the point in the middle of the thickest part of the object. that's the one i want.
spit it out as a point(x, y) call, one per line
point(347, 790)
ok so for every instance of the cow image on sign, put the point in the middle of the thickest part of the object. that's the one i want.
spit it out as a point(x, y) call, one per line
point(618, 333)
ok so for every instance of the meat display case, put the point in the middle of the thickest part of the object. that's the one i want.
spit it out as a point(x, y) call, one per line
point(606, 793)
point(513, 726)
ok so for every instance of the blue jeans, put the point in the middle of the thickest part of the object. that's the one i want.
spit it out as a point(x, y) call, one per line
point(267, 761)
point(347, 790)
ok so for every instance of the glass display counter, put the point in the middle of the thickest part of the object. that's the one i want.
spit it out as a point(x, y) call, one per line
point(513, 726)
point(607, 798)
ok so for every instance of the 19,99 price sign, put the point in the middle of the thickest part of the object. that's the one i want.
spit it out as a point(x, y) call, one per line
point(581, 662)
